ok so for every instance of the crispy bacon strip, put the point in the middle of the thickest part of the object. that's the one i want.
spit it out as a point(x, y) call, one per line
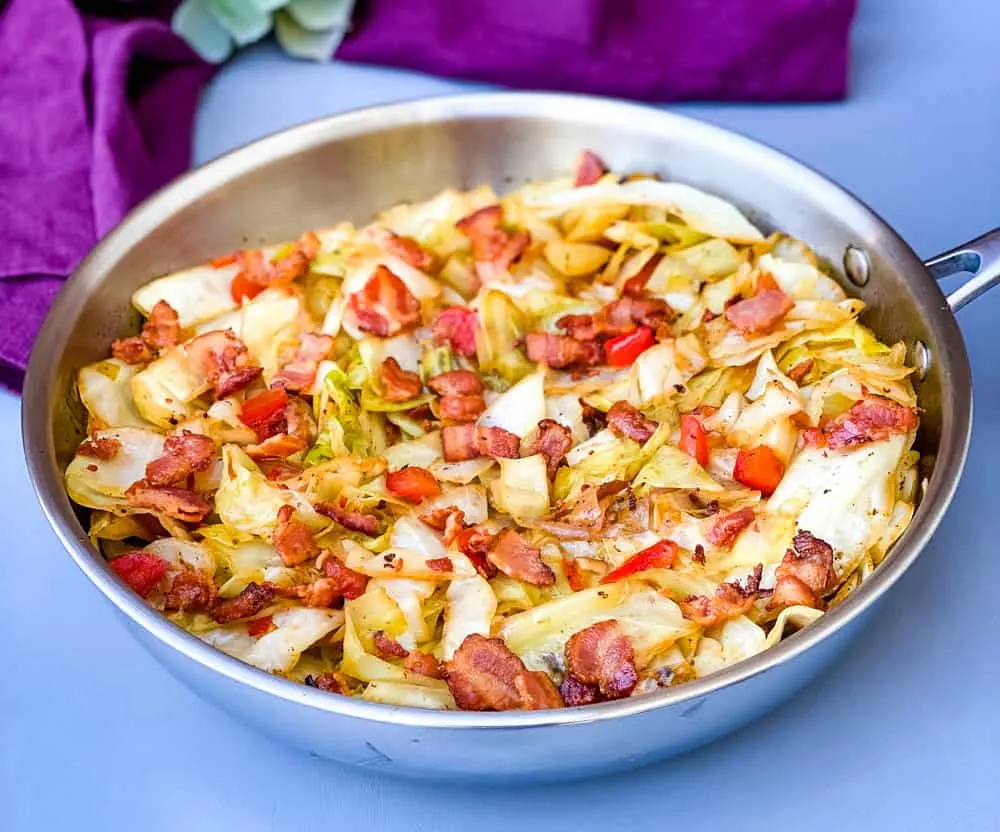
point(190, 591)
point(103, 449)
point(457, 325)
point(462, 442)
point(279, 446)
point(424, 664)
point(178, 503)
point(349, 583)
point(163, 329)
point(494, 249)
point(513, 556)
point(354, 521)
point(872, 419)
point(589, 168)
point(131, 350)
point(562, 351)
point(183, 455)
point(329, 682)
point(475, 543)
point(405, 248)
point(728, 527)
point(225, 359)
point(399, 385)
point(574, 692)
point(602, 656)
point(484, 675)
point(449, 521)
point(461, 408)
point(249, 602)
point(387, 647)
point(619, 316)
point(385, 306)
point(760, 313)
point(635, 286)
point(804, 574)
point(299, 374)
point(553, 442)
point(730, 600)
point(292, 539)
point(626, 420)
point(456, 383)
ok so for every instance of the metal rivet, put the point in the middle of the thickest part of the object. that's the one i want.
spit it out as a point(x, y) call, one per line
point(857, 265)
point(921, 359)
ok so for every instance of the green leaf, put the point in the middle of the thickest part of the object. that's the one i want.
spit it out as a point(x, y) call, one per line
point(243, 21)
point(321, 15)
point(299, 42)
point(193, 22)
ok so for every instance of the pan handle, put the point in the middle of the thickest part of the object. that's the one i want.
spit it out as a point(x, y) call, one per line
point(980, 258)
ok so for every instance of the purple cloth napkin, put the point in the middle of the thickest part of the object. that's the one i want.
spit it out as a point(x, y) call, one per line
point(94, 115)
point(651, 50)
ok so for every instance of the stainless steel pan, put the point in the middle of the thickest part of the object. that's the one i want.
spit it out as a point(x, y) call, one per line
point(356, 164)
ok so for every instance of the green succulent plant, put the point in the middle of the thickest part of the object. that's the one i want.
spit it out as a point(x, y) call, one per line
point(311, 29)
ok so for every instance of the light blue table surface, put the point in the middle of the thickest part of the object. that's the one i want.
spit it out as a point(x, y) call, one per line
point(903, 733)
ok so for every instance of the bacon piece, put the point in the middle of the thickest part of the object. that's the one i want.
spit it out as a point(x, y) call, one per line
point(813, 438)
point(498, 443)
point(618, 317)
point(260, 626)
point(400, 385)
point(354, 521)
point(224, 358)
point(730, 599)
point(450, 521)
point(132, 350)
point(424, 664)
point(249, 602)
point(553, 442)
point(323, 593)
point(190, 591)
point(494, 249)
point(513, 556)
point(299, 374)
point(456, 383)
point(461, 408)
point(872, 419)
point(484, 675)
point(635, 286)
point(280, 446)
point(462, 442)
point(801, 370)
point(142, 571)
point(292, 539)
point(277, 470)
point(406, 249)
point(537, 691)
point(804, 574)
point(265, 413)
point(562, 351)
point(475, 543)
point(459, 443)
point(163, 329)
point(387, 647)
point(761, 312)
point(440, 564)
point(589, 168)
point(601, 655)
point(728, 527)
point(178, 503)
point(183, 455)
point(103, 449)
point(574, 692)
point(329, 682)
point(349, 583)
point(593, 418)
point(626, 420)
point(385, 306)
point(457, 325)
point(236, 380)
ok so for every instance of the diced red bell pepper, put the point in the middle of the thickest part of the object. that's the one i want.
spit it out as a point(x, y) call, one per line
point(263, 409)
point(759, 468)
point(142, 571)
point(224, 260)
point(660, 555)
point(243, 287)
point(412, 484)
point(694, 442)
point(622, 350)
point(260, 626)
